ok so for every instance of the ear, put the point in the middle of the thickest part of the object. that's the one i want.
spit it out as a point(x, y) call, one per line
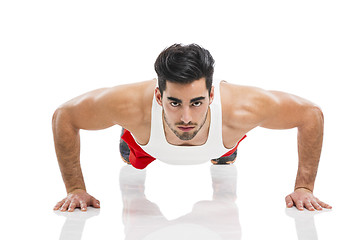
point(158, 96)
point(211, 95)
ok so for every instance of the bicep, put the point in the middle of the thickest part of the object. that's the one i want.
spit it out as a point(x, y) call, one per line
point(287, 111)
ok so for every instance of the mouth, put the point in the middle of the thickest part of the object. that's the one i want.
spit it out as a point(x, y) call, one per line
point(186, 129)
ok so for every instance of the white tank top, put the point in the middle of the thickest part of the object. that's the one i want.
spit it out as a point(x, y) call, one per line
point(159, 148)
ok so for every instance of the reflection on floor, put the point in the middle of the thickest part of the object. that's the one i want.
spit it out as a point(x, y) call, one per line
point(215, 219)
point(304, 222)
point(75, 223)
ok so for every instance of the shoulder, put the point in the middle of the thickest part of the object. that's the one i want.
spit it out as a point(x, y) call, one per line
point(132, 93)
point(131, 100)
point(125, 105)
point(246, 106)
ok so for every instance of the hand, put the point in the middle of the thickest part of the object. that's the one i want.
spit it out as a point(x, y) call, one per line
point(303, 197)
point(78, 198)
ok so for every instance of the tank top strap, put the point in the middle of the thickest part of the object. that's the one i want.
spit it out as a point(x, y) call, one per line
point(216, 117)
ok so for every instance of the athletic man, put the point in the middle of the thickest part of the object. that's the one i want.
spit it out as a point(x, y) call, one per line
point(184, 117)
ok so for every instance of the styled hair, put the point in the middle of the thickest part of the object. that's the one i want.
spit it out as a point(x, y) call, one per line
point(184, 64)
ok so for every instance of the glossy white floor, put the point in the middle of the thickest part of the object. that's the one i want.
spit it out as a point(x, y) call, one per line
point(52, 51)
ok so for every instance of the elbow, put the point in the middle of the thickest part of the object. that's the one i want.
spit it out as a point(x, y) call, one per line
point(59, 113)
point(313, 118)
point(61, 118)
point(318, 114)
point(55, 117)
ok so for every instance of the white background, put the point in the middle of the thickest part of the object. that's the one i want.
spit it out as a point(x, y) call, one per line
point(52, 51)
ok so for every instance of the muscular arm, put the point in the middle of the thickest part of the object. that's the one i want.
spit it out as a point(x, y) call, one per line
point(90, 111)
point(67, 147)
point(99, 109)
point(291, 111)
point(278, 110)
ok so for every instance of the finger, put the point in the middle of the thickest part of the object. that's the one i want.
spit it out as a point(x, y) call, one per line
point(299, 205)
point(289, 201)
point(83, 206)
point(72, 206)
point(316, 205)
point(309, 206)
point(59, 204)
point(95, 203)
point(324, 205)
point(65, 205)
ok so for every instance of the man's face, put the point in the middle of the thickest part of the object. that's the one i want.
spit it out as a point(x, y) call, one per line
point(185, 107)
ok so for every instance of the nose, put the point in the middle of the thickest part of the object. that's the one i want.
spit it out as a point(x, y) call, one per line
point(186, 115)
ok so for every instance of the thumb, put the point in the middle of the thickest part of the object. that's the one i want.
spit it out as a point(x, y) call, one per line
point(95, 203)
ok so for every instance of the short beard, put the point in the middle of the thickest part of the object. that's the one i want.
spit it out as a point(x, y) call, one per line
point(186, 136)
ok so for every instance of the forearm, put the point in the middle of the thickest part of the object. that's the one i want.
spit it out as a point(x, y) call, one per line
point(310, 138)
point(67, 147)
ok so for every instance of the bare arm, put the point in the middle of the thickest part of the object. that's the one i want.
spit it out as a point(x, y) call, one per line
point(289, 111)
point(87, 111)
point(278, 110)
point(67, 147)
point(94, 110)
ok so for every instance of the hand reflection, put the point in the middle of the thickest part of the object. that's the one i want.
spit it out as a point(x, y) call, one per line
point(304, 222)
point(215, 219)
point(75, 223)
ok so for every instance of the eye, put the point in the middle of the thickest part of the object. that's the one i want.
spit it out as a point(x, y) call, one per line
point(174, 104)
point(197, 104)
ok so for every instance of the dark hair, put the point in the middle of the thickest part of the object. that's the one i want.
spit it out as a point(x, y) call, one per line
point(184, 64)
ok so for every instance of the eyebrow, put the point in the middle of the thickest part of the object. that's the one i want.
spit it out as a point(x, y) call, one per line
point(180, 101)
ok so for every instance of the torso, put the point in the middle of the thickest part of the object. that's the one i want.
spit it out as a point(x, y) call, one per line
point(141, 131)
